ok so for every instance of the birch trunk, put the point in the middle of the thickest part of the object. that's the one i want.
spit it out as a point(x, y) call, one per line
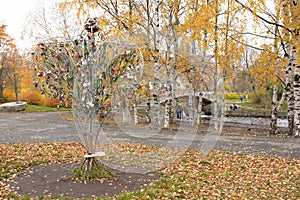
point(215, 106)
point(192, 81)
point(174, 85)
point(1, 86)
point(148, 102)
point(295, 54)
point(296, 130)
point(174, 68)
point(135, 115)
point(273, 123)
point(203, 65)
point(157, 68)
point(168, 91)
point(274, 109)
point(289, 97)
point(288, 69)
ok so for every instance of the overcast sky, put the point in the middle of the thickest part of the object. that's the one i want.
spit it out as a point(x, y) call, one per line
point(13, 14)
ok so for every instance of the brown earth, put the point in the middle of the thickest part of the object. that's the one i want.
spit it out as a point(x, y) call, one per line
point(55, 181)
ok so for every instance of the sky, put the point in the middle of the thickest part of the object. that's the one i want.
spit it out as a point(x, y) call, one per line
point(13, 14)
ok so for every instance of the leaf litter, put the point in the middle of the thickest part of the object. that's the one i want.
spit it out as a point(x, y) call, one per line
point(217, 175)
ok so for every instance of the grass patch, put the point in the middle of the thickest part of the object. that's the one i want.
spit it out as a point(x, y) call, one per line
point(38, 108)
point(98, 172)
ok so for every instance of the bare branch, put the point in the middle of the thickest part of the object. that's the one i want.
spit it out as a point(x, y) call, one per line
point(262, 18)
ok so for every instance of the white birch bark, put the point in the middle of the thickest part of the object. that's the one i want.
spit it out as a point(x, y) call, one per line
point(203, 65)
point(288, 70)
point(273, 123)
point(156, 118)
point(168, 91)
point(274, 108)
point(215, 105)
point(289, 97)
point(148, 103)
point(192, 81)
point(296, 130)
point(174, 85)
point(134, 102)
point(295, 52)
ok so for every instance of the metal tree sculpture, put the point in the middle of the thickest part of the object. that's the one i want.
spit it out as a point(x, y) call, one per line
point(90, 71)
point(54, 63)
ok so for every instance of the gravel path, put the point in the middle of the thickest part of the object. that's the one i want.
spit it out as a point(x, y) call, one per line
point(36, 127)
point(49, 127)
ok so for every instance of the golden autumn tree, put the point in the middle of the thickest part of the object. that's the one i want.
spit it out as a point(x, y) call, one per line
point(7, 53)
point(286, 20)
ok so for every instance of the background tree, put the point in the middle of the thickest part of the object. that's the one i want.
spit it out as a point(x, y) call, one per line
point(196, 20)
point(289, 31)
point(7, 53)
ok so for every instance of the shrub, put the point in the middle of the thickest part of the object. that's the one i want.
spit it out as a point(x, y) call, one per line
point(250, 95)
point(51, 102)
point(232, 96)
point(98, 172)
point(32, 97)
point(9, 96)
point(265, 100)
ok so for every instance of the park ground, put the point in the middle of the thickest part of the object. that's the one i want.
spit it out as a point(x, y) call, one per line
point(245, 164)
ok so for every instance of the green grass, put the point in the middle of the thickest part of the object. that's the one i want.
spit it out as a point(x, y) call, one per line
point(37, 108)
point(251, 105)
point(97, 172)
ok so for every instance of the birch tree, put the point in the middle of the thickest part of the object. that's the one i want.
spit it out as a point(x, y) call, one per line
point(289, 30)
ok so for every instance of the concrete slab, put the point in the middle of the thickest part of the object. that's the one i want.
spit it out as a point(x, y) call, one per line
point(13, 106)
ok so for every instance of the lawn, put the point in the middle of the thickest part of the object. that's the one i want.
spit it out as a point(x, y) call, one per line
point(39, 108)
point(216, 176)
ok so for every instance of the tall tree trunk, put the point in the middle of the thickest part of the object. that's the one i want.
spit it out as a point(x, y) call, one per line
point(192, 113)
point(16, 86)
point(148, 103)
point(174, 75)
point(215, 105)
point(1, 85)
point(174, 68)
point(274, 109)
point(273, 123)
point(296, 131)
point(192, 81)
point(295, 54)
point(203, 65)
point(135, 113)
point(157, 119)
point(168, 90)
point(288, 68)
point(290, 97)
point(148, 49)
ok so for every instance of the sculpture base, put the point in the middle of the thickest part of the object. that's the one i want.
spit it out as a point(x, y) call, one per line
point(13, 106)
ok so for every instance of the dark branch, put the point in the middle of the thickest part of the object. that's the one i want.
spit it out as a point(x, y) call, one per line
point(261, 18)
point(257, 48)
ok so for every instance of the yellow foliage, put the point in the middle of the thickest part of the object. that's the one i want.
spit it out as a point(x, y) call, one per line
point(32, 97)
point(51, 102)
point(232, 96)
point(9, 95)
